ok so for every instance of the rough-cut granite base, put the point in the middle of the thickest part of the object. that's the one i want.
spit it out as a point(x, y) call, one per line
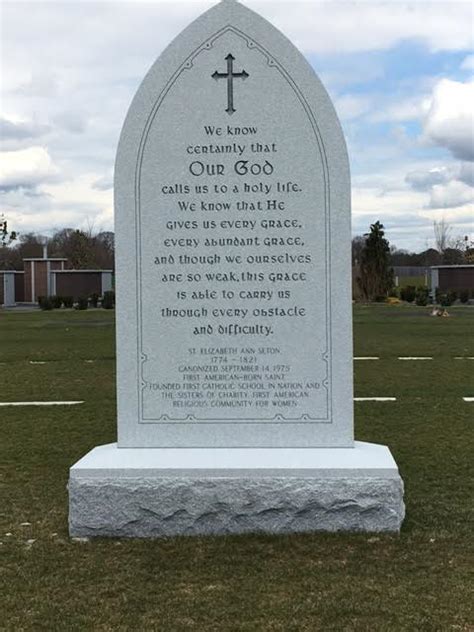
point(154, 492)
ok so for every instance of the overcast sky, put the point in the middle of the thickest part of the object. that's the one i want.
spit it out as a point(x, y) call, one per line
point(400, 75)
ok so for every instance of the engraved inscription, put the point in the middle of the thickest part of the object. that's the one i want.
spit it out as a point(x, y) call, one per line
point(236, 265)
point(230, 75)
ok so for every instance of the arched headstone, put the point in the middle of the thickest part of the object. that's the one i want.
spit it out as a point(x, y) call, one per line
point(234, 341)
point(232, 200)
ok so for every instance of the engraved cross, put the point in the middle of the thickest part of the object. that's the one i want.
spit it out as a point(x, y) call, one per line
point(230, 75)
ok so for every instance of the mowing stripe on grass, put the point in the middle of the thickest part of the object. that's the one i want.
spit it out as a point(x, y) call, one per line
point(375, 399)
point(415, 358)
point(367, 358)
point(468, 399)
point(40, 403)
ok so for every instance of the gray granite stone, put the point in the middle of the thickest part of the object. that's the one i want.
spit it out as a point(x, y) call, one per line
point(159, 492)
point(262, 179)
point(158, 507)
point(234, 333)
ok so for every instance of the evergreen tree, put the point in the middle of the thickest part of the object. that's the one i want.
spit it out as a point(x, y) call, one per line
point(376, 275)
point(6, 237)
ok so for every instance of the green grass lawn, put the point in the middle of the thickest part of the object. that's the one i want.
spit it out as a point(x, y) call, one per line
point(420, 580)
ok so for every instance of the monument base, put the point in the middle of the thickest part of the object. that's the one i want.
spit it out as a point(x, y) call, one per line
point(158, 492)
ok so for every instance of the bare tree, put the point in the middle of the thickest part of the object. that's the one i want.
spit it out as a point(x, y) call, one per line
point(84, 249)
point(358, 244)
point(442, 231)
point(464, 244)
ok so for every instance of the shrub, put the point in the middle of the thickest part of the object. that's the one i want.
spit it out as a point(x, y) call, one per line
point(422, 295)
point(57, 301)
point(108, 300)
point(45, 302)
point(464, 296)
point(452, 294)
point(68, 301)
point(82, 302)
point(446, 299)
point(94, 299)
point(408, 293)
point(380, 298)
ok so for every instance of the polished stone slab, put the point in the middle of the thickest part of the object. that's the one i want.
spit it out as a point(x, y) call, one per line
point(235, 259)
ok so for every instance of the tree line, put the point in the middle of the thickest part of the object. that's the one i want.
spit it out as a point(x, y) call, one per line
point(372, 256)
point(82, 249)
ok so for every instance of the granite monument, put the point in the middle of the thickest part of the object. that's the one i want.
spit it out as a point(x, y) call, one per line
point(234, 339)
